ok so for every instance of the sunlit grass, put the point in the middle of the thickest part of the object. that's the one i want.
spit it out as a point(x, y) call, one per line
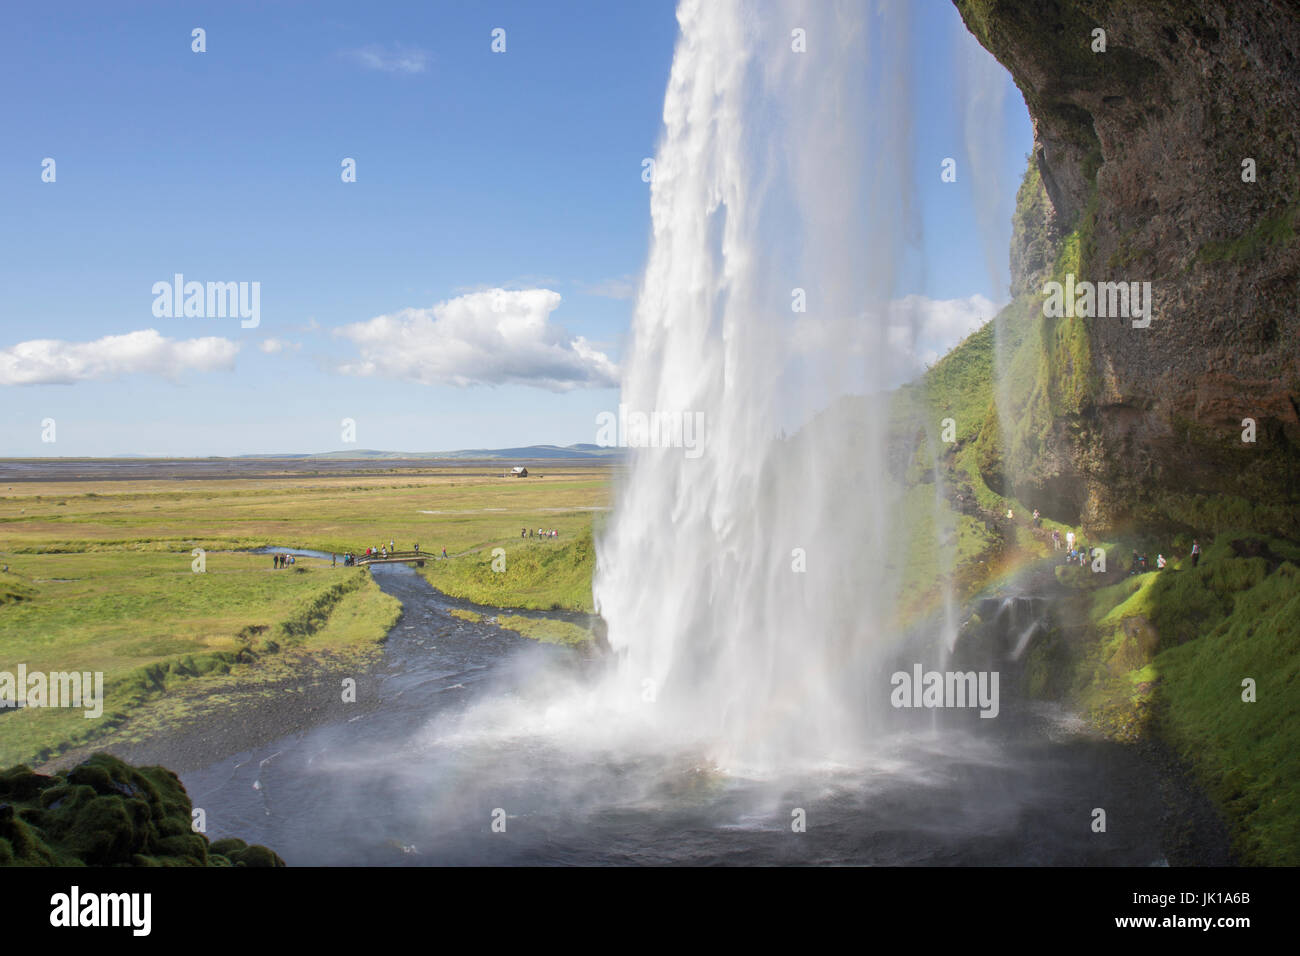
point(101, 579)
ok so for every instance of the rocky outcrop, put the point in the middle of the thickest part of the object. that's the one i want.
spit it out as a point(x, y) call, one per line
point(1146, 153)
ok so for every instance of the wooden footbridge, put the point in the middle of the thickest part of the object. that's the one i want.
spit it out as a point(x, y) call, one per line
point(395, 557)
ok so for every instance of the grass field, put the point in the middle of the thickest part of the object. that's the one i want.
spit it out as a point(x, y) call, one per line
point(550, 574)
point(100, 578)
point(454, 508)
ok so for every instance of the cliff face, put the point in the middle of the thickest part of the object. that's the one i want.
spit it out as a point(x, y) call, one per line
point(1140, 152)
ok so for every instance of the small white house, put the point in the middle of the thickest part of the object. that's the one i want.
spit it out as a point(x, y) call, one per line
point(519, 471)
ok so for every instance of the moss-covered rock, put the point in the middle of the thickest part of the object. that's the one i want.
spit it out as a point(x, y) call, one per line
point(240, 853)
point(104, 812)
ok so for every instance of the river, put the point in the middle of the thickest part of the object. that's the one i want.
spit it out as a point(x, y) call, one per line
point(463, 761)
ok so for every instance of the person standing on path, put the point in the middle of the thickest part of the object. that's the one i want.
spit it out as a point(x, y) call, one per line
point(1196, 552)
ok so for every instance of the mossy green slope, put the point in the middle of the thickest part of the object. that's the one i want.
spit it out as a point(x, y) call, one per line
point(527, 573)
point(1234, 619)
point(1179, 654)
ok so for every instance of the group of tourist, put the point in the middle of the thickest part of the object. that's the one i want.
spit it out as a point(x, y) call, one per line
point(541, 533)
point(1056, 540)
point(1075, 550)
point(1140, 563)
point(381, 551)
point(350, 559)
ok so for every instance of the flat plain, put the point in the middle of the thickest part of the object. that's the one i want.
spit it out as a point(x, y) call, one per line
point(101, 573)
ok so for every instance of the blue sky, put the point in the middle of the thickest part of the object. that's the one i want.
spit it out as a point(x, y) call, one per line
point(475, 169)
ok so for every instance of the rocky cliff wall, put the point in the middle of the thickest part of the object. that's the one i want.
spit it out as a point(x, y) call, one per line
point(1139, 153)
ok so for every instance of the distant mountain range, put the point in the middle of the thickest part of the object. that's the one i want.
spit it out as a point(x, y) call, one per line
point(526, 453)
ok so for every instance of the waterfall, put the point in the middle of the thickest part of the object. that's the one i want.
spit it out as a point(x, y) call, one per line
point(748, 585)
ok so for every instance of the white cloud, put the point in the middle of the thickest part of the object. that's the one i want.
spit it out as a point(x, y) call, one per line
point(54, 362)
point(497, 337)
point(927, 328)
point(915, 331)
point(272, 345)
point(620, 287)
point(397, 60)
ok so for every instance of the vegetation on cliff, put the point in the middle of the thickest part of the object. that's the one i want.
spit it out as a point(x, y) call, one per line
point(1159, 654)
point(1165, 143)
